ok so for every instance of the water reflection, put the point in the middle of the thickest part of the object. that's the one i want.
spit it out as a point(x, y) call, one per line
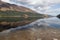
point(52, 22)
point(45, 23)
point(13, 22)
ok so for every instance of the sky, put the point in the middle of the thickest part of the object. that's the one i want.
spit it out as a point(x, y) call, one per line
point(50, 7)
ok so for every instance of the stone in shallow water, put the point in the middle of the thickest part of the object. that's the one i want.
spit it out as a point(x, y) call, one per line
point(39, 39)
point(55, 39)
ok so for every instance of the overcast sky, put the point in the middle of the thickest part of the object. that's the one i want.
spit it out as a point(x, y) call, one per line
point(51, 7)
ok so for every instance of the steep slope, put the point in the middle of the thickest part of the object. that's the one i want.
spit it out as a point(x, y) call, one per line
point(7, 9)
point(12, 7)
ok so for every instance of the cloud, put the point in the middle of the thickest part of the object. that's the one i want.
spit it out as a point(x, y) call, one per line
point(5, 0)
point(8, 1)
point(53, 11)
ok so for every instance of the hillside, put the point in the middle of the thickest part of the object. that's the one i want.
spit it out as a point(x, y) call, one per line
point(7, 9)
point(12, 7)
point(19, 14)
point(58, 16)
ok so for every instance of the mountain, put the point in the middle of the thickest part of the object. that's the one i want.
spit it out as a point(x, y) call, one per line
point(58, 16)
point(12, 7)
point(7, 9)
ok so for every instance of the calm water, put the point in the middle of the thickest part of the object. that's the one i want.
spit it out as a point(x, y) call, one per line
point(52, 22)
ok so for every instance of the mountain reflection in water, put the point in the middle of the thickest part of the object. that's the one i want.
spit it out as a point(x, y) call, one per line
point(53, 22)
point(13, 22)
